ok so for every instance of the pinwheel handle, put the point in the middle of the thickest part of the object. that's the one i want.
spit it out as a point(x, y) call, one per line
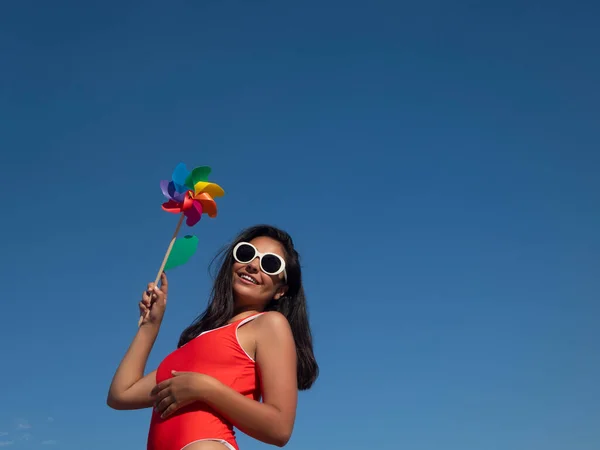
point(164, 262)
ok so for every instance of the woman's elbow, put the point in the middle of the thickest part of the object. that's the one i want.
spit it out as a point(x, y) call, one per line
point(116, 401)
point(282, 437)
point(281, 441)
point(113, 403)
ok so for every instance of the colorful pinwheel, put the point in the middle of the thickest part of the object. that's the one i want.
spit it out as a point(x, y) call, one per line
point(191, 193)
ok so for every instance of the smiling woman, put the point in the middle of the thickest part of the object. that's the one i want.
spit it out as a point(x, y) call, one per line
point(253, 341)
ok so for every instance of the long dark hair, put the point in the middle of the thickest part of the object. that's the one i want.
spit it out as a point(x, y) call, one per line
point(292, 305)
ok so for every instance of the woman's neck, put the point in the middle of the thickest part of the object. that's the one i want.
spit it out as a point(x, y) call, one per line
point(243, 312)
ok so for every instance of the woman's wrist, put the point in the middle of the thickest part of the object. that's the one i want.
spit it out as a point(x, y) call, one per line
point(149, 329)
point(206, 388)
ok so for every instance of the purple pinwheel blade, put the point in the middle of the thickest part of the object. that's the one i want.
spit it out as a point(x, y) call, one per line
point(172, 189)
point(179, 196)
point(164, 187)
point(169, 190)
point(175, 193)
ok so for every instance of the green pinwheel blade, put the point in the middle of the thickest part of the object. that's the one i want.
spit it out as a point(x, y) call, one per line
point(183, 249)
point(198, 174)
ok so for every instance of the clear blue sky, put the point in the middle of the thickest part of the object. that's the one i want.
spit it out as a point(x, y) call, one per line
point(436, 163)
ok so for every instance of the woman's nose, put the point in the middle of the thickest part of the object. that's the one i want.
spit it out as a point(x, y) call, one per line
point(254, 265)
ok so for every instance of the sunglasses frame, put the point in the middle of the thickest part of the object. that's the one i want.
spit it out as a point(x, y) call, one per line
point(260, 255)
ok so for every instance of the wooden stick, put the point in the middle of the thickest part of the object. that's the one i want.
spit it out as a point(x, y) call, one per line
point(164, 262)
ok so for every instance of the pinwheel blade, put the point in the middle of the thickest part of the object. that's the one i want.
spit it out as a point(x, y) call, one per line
point(209, 206)
point(198, 174)
point(193, 214)
point(210, 188)
point(180, 174)
point(179, 188)
point(164, 187)
point(169, 190)
point(172, 206)
point(183, 249)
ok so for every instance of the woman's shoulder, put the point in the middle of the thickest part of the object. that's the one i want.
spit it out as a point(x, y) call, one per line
point(273, 322)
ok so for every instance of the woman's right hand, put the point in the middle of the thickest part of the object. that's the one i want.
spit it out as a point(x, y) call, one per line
point(154, 302)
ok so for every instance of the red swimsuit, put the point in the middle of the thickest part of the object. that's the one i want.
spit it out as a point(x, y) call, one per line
point(219, 354)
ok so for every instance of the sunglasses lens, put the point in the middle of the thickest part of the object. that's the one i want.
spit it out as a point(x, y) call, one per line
point(245, 253)
point(270, 263)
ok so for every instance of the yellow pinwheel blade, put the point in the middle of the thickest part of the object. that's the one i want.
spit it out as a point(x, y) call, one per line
point(213, 189)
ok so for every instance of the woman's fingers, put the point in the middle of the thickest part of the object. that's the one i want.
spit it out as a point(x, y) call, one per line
point(170, 410)
point(154, 300)
point(161, 396)
point(151, 290)
point(151, 293)
point(166, 406)
point(147, 298)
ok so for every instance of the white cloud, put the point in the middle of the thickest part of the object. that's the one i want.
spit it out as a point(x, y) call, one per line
point(50, 419)
point(3, 433)
point(23, 424)
point(5, 443)
point(49, 442)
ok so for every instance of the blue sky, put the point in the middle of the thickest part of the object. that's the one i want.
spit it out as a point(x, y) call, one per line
point(436, 163)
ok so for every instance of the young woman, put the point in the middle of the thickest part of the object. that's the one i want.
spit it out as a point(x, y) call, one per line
point(252, 341)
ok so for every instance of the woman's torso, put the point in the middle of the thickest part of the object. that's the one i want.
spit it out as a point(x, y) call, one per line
point(219, 354)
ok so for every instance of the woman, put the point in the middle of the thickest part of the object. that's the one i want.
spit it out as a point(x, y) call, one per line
point(252, 341)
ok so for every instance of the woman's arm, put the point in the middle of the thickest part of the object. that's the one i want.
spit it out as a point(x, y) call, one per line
point(271, 421)
point(130, 389)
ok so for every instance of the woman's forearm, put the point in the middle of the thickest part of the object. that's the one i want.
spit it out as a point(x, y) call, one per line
point(132, 366)
point(258, 420)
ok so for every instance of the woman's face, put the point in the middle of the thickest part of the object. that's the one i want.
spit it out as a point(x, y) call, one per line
point(261, 287)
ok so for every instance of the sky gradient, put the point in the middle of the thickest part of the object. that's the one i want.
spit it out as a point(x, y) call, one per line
point(436, 164)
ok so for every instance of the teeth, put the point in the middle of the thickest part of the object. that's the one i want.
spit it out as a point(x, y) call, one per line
point(249, 278)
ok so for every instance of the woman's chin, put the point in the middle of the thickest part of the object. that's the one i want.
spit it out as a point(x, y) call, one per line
point(242, 289)
point(247, 295)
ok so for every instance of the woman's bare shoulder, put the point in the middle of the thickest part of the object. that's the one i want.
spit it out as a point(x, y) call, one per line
point(273, 322)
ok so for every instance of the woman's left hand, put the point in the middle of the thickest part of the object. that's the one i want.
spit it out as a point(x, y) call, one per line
point(181, 390)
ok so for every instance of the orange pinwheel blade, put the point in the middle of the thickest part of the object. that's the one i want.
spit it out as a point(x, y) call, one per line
point(209, 206)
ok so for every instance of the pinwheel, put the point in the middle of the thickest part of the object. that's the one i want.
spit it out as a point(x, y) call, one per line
point(191, 195)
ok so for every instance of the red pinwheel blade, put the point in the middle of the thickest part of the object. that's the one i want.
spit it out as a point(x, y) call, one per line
point(172, 206)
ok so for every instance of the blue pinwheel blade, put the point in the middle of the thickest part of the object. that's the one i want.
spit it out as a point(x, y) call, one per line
point(179, 176)
point(179, 188)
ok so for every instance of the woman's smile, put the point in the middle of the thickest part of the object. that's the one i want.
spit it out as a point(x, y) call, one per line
point(248, 279)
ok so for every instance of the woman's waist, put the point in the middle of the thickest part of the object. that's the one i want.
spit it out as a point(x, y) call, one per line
point(190, 423)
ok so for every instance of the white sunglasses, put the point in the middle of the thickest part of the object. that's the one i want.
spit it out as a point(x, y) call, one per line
point(270, 263)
